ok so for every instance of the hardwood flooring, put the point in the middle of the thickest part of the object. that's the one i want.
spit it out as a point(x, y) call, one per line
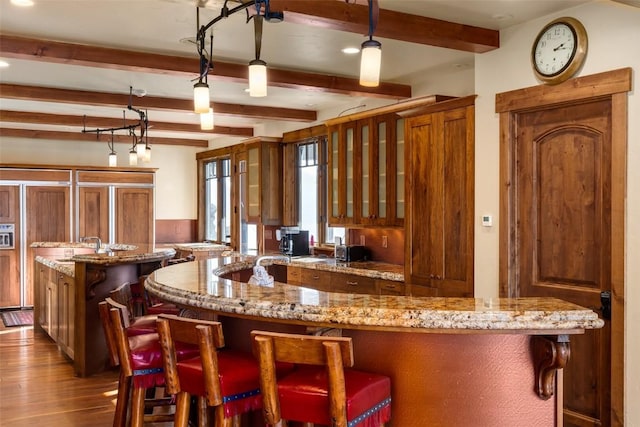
point(38, 388)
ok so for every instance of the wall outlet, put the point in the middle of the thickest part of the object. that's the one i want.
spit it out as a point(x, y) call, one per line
point(385, 241)
point(362, 240)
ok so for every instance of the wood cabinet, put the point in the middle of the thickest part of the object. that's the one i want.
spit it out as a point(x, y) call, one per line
point(440, 167)
point(9, 258)
point(331, 281)
point(55, 312)
point(264, 181)
point(117, 206)
point(366, 171)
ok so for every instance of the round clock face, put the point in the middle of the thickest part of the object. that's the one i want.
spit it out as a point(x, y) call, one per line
point(559, 50)
point(554, 49)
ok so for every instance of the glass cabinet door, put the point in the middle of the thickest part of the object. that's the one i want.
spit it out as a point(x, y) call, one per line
point(335, 177)
point(349, 140)
point(364, 140)
point(400, 174)
point(383, 170)
point(253, 184)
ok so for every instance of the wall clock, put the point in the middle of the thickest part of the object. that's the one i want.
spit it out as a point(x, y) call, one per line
point(559, 50)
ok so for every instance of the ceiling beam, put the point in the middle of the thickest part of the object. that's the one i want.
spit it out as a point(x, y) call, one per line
point(106, 122)
point(117, 59)
point(354, 18)
point(72, 96)
point(92, 137)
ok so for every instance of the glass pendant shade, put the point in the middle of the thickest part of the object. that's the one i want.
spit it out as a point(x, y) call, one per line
point(206, 120)
point(133, 157)
point(147, 154)
point(113, 159)
point(140, 149)
point(201, 98)
point(370, 63)
point(257, 78)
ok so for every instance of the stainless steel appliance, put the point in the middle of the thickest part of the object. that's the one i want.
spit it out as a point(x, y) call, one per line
point(7, 236)
point(350, 253)
point(293, 241)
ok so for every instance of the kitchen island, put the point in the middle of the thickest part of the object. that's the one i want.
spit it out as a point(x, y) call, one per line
point(69, 287)
point(452, 361)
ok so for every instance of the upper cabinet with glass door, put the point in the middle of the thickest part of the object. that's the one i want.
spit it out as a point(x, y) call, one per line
point(264, 181)
point(366, 172)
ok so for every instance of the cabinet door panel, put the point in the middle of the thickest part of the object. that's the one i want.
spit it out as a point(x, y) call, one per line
point(440, 153)
point(93, 219)
point(48, 220)
point(134, 215)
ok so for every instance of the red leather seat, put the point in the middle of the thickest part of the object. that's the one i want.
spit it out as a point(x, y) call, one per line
point(304, 396)
point(319, 390)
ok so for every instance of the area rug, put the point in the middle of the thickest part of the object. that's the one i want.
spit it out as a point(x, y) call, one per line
point(17, 318)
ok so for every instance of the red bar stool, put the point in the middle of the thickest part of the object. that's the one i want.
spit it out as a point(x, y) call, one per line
point(319, 390)
point(229, 379)
point(140, 360)
point(152, 305)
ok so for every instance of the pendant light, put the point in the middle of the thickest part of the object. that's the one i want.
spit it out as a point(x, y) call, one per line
point(206, 120)
point(113, 157)
point(371, 52)
point(257, 67)
point(201, 96)
point(147, 154)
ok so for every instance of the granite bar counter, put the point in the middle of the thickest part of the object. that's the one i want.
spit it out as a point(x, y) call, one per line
point(69, 313)
point(452, 361)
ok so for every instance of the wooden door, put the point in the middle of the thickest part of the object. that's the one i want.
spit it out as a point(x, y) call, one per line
point(440, 247)
point(10, 258)
point(134, 215)
point(563, 180)
point(93, 212)
point(48, 220)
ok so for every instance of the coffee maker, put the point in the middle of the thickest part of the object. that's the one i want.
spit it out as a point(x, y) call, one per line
point(293, 241)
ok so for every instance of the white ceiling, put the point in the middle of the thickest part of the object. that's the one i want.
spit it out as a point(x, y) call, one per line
point(159, 26)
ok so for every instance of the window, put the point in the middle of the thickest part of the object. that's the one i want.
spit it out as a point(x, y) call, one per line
point(312, 191)
point(218, 200)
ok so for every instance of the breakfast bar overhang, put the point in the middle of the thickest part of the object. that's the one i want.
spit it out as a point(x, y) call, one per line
point(452, 361)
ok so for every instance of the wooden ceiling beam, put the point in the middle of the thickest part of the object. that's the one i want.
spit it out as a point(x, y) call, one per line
point(354, 18)
point(96, 56)
point(72, 96)
point(108, 122)
point(92, 137)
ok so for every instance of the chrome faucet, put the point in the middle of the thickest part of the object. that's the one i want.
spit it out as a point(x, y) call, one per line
point(265, 257)
point(90, 238)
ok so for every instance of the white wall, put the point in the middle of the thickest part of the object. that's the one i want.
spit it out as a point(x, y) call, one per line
point(176, 195)
point(614, 33)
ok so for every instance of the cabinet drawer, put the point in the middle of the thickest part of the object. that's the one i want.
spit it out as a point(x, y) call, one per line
point(293, 275)
point(316, 279)
point(389, 287)
point(341, 282)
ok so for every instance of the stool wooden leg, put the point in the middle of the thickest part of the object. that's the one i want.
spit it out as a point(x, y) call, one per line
point(183, 404)
point(203, 412)
point(137, 406)
point(124, 387)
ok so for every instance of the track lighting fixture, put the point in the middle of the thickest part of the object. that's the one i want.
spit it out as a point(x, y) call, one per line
point(140, 147)
point(257, 67)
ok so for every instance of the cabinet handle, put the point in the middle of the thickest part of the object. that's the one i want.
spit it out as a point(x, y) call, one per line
point(352, 283)
point(315, 277)
point(431, 276)
point(390, 286)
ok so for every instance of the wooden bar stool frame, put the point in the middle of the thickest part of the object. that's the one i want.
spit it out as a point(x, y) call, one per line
point(130, 398)
point(335, 353)
point(209, 336)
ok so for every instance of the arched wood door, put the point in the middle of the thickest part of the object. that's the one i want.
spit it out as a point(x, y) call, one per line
point(562, 223)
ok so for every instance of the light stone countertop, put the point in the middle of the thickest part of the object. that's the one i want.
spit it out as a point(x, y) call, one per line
point(197, 285)
point(201, 247)
point(373, 269)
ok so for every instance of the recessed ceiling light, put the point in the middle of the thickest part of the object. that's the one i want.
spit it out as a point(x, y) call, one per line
point(3, 64)
point(502, 16)
point(22, 3)
point(139, 92)
point(350, 50)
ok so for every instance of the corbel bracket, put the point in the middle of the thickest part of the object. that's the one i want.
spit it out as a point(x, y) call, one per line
point(550, 353)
